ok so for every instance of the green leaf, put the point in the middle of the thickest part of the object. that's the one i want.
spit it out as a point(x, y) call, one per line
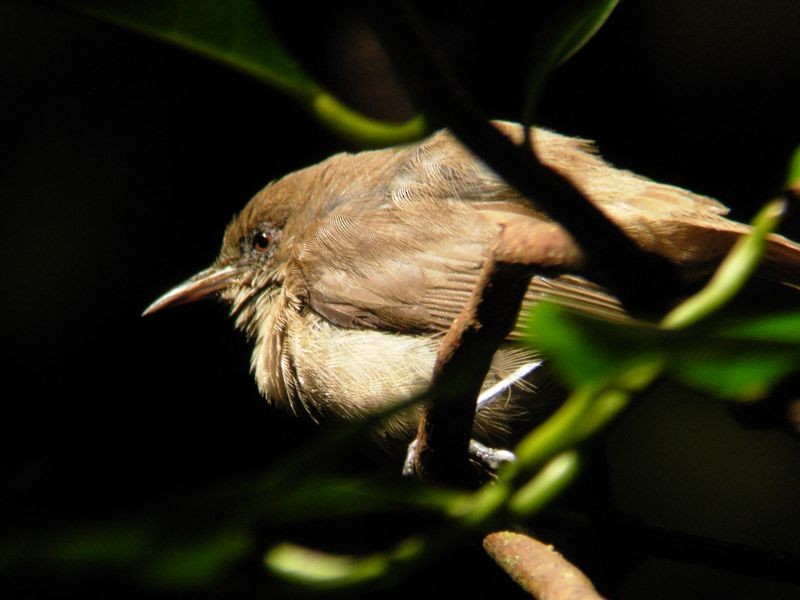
point(581, 21)
point(239, 35)
point(548, 483)
point(793, 173)
point(732, 274)
point(236, 33)
point(738, 360)
point(739, 371)
point(566, 33)
point(585, 350)
point(140, 548)
point(324, 497)
point(98, 545)
point(774, 327)
point(197, 562)
point(324, 571)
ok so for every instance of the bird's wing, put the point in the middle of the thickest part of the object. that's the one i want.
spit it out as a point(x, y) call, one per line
point(412, 268)
point(406, 254)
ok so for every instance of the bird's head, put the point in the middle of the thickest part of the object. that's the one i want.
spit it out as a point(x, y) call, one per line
point(249, 268)
point(259, 243)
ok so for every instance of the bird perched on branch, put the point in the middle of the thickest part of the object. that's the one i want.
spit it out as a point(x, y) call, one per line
point(346, 275)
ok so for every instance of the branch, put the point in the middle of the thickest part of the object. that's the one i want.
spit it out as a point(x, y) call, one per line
point(538, 568)
point(465, 353)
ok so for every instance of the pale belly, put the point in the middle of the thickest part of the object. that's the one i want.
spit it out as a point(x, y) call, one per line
point(347, 374)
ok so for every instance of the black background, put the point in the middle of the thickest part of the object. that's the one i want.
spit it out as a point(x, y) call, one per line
point(124, 159)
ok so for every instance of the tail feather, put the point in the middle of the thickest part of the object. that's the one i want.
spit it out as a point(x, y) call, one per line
point(781, 261)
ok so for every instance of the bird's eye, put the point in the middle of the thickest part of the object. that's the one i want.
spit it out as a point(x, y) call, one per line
point(261, 241)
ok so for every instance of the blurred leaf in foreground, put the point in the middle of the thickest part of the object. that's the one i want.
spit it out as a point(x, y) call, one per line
point(735, 360)
point(793, 174)
point(738, 360)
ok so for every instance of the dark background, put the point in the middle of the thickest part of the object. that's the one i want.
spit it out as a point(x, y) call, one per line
point(124, 159)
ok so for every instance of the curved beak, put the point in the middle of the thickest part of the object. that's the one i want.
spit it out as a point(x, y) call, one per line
point(195, 288)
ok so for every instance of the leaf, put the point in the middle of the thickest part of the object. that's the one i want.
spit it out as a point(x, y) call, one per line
point(740, 360)
point(239, 35)
point(324, 497)
point(776, 327)
point(793, 172)
point(324, 571)
point(580, 24)
point(313, 568)
point(197, 562)
point(737, 360)
point(236, 33)
point(92, 546)
point(546, 485)
point(585, 350)
point(566, 33)
point(739, 371)
point(732, 274)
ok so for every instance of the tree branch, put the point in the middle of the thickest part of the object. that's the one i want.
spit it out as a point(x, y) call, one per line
point(538, 568)
point(465, 353)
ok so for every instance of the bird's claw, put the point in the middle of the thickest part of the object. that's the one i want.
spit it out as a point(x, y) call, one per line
point(491, 458)
point(494, 458)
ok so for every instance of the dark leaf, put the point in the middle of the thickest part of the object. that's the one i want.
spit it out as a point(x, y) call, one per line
point(238, 34)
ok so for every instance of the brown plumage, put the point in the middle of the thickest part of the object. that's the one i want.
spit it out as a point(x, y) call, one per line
point(346, 274)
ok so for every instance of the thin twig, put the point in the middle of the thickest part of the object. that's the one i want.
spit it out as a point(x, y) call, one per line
point(538, 568)
point(466, 351)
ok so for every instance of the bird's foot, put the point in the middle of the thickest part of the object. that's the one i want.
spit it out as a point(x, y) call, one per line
point(490, 459)
point(493, 458)
point(411, 457)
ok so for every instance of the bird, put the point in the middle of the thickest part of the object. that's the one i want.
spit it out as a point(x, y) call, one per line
point(345, 275)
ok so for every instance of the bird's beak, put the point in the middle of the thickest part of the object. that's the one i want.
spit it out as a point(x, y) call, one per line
point(195, 288)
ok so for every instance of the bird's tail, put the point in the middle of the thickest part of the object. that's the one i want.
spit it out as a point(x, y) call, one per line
point(781, 261)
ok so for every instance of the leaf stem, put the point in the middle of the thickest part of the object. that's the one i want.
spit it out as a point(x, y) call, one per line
point(360, 129)
point(732, 274)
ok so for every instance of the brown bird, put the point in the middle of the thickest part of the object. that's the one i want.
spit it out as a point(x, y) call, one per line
point(346, 274)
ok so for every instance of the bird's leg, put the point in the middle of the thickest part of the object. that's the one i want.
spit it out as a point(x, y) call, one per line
point(411, 455)
point(493, 458)
point(490, 459)
point(520, 249)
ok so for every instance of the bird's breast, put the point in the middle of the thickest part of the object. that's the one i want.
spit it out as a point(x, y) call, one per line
point(305, 364)
point(342, 373)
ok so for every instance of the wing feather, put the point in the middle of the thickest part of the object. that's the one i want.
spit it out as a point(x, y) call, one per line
point(405, 255)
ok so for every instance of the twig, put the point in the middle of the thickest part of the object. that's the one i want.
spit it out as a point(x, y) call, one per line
point(538, 568)
point(466, 351)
